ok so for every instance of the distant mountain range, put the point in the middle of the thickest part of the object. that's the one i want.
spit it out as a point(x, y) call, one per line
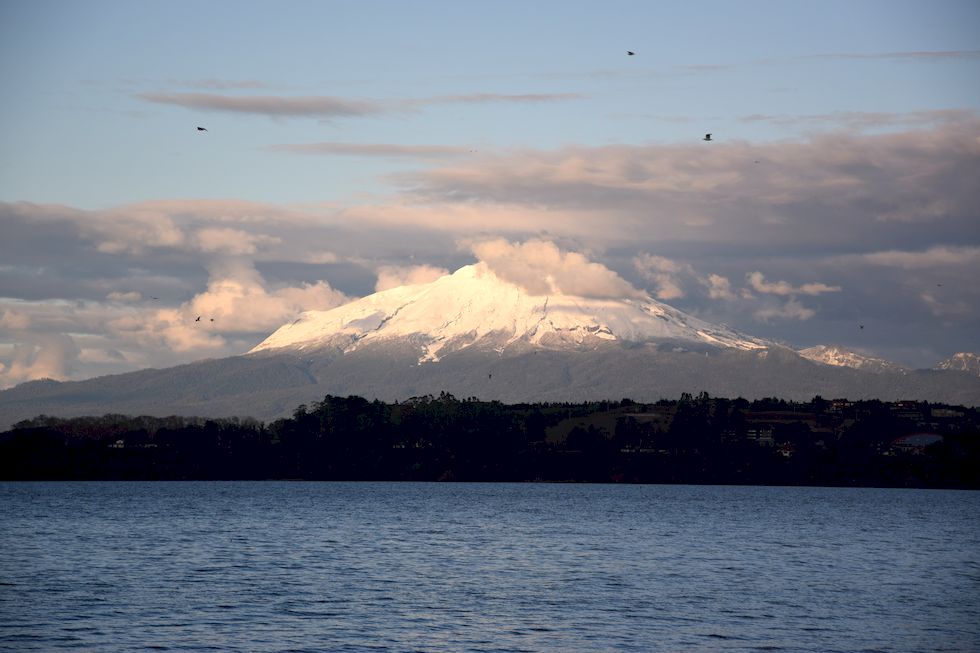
point(474, 334)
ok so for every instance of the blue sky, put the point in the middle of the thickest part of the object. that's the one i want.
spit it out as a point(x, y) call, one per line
point(75, 129)
point(394, 134)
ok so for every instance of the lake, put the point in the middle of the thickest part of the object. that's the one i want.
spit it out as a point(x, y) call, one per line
point(296, 566)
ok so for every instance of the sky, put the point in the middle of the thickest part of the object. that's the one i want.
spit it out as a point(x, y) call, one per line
point(357, 146)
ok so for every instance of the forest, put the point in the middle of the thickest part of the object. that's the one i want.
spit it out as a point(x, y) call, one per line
point(693, 439)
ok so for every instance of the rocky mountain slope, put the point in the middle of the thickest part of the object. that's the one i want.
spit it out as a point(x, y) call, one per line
point(962, 362)
point(840, 357)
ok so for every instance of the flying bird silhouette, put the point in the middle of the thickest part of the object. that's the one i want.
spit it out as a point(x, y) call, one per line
point(707, 137)
point(201, 129)
point(630, 53)
point(199, 319)
point(861, 326)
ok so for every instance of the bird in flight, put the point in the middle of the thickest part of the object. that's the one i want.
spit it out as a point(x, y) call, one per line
point(861, 326)
point(201, 129)
point(199, 319)
point(707, 137)
point(630, 53)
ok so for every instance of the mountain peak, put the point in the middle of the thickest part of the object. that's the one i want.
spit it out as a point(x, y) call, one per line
point(474, 306)
point(840, 357)
point(964, 361)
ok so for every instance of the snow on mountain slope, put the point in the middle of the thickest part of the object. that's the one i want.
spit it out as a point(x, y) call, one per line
point(839, 357)
point(963, 361)
point(473, 304)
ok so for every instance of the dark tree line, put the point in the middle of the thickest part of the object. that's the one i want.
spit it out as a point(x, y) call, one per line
point(691, 440)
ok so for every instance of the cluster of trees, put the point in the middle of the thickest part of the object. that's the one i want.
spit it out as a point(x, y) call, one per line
point(691, 440)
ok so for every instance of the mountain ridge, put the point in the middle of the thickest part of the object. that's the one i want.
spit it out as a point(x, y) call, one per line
point(840, 357)
point(964, 361)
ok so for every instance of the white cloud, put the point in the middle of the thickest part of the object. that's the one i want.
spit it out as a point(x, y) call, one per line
point(124, 296)
point(759, 284)
point(392, 276)
point(40, 356)
point(231, 241)
point(663, 273)
point(541, 268)
point(944, 307)
point(14, 320)
point(719, 287)
point(320, 258)
point(123, 232)
point(236, 300)
point(791, 310)
point(932, 257)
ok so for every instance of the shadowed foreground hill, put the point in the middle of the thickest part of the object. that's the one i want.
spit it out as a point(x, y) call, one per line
point(270, 385)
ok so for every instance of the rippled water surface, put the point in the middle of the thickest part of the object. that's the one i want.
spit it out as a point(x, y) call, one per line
point(474, 567)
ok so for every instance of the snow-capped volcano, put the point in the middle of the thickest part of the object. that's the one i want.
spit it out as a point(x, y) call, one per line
point(474, 305)
point(840, 357)
point(494, 340)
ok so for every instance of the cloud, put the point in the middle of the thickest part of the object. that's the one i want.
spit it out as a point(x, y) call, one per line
point(944, 307)
point(231, 241)
point(322, 258)
point(791, 310)
point(126, 305)
point(663, 273)
point(269, 105)
point(393, 276)
point(325, 106)
point(236, 300)
point(131, 296)
point(759, 284)
point(719, 287)
point(835, 188)
point(543, 269)
point(941, 256)
point(13, 320)
point(209, 226)
point(372, 150)
point(134, 232)
point(39, 356)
